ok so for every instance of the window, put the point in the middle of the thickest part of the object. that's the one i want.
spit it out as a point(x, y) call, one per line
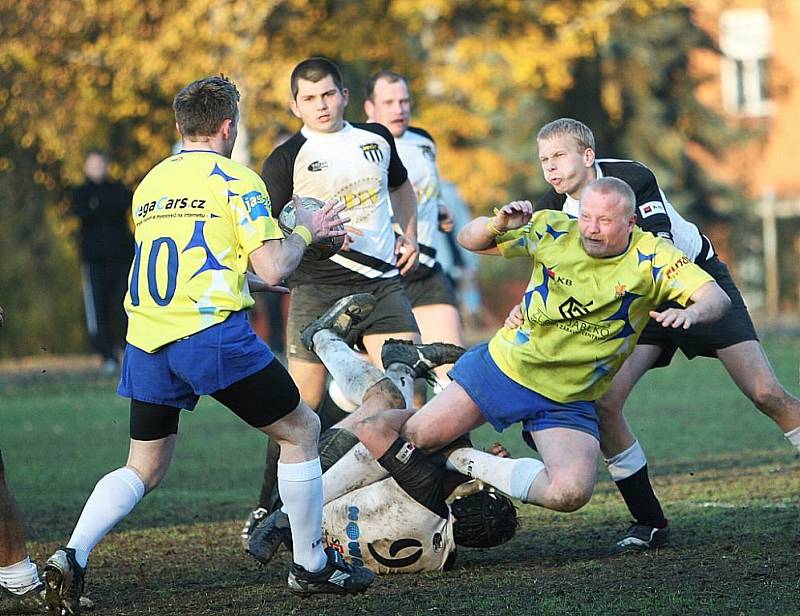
point(745, 42)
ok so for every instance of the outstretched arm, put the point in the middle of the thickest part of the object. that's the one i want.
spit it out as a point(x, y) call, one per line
point(706, 305)
point(480, 235)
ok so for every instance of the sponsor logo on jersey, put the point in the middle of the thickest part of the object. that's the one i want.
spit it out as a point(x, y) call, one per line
point(318, 165)
point(427, 152)
point(559, 279)
point(169, 203)
point(394, 550)
point(673, 269)
point(372, 152)
point(255, 202)
point(619, 291)
point(653, 207)
point(573, 309)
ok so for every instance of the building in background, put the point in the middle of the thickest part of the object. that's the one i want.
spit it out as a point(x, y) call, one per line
point(755, 82)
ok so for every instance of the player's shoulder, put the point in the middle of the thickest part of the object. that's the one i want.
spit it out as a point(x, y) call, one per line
point(633, 172)
point(374, 128)
point(288, 149)
point(415, 132)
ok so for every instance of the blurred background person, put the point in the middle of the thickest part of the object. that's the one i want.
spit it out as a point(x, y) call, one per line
point(106, 244)
point(459, 265)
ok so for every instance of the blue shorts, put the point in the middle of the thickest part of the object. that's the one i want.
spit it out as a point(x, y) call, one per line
point(179, 373)
point(504, 402)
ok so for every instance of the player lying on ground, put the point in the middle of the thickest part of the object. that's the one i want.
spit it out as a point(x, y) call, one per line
point(567, 157)
point(394, 519)
point(595, 282)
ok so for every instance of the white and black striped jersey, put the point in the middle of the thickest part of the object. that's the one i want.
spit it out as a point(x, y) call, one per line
point(357, 165)
point(654, 213)
point(418, 152)
point(384, 528)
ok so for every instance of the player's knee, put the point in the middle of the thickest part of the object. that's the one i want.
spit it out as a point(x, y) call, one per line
point(388, 393)
point(609, 408)
point(568, 495)
point(423, 439)
point(769, 397)
point(299, 428)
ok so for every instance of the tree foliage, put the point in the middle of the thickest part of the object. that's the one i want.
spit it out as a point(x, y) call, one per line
point(77, 74)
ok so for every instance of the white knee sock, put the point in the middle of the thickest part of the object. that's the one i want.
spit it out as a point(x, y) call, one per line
point(300, 487)
point(403, 377)
point(626, 463)
point(512, 476)
point(20, 577)
point(353, 374)
point(114, 496)
point(793, 437)
point(355, 469)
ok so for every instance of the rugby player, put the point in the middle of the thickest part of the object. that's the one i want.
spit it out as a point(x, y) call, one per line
point(569, 164)
point(200, 218)
point(432, 295)
point(392, 524)
point(595, 282)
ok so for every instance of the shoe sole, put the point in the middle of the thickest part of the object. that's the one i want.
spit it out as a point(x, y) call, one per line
point(335, 590)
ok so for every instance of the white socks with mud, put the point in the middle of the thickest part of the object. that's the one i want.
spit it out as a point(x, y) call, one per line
point(403, 378)
point(512, 476)
point(626, 463)
point(300, 487)
point(355, 469)
point(793, 436)
point(20, 577)
point(114, 496)
point(353, 374)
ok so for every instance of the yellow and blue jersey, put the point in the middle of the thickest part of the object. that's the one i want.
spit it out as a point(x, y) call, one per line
point(197, 216)
point(584, 314)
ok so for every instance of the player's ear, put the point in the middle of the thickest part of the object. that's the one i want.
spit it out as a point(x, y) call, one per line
point(225, 128)
point(369, 108)
point(588, 157)
point(294, 108)
point(346, 95)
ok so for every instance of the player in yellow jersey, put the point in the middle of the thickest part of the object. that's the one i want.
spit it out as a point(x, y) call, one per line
point(200, 218)
point(596, 281)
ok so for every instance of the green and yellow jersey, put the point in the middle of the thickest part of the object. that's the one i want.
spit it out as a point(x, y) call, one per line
point(584, 314)
point(197, 216)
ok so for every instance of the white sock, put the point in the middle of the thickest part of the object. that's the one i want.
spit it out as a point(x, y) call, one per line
point(300, 487)
point(403, 377)
point(355, 469)
point(353, 374)
point(114, 497)
point(512, 476)
point(794, 437)
point(626, 463)
point(20, 577)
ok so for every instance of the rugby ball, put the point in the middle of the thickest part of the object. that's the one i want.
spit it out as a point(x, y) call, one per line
point(322, 249)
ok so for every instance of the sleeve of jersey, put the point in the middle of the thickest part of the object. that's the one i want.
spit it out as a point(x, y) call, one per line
point(397, 171)
point(679, 278)
point(522, 242)
point(277, 172)
point(651, 212)
point(254, 221)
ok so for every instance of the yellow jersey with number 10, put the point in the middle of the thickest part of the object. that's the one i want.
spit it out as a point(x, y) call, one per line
point(197, 216)
point(584, 314)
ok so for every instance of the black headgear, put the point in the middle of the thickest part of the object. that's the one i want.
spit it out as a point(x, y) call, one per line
point(483, 519)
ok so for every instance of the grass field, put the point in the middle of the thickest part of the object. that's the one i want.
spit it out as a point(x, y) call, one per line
point(728, 481)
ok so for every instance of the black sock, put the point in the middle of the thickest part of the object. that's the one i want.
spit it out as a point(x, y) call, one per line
point(333, 444)
point(414, 472)
point(269, 483)
point(641, 499)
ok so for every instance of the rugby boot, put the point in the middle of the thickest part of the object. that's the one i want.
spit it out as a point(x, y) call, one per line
point(640, 537)
point(268, 536)
point(63, 580)
point(32, 602)
point(250, 525)
point(338, 577)
point(340, 317)
point(421, 358)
